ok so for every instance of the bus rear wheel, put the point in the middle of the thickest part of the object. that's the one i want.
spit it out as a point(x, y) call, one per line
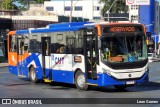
point(32, 75)
point(80, 81)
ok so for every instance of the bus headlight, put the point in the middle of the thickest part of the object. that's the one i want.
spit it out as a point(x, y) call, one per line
point(107, 71)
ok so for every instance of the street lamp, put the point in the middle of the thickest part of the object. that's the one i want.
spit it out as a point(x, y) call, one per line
point(110, 8)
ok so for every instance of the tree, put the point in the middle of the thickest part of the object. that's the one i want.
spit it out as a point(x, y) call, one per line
point(24, 4)
point(118, 6)
point(7, 5)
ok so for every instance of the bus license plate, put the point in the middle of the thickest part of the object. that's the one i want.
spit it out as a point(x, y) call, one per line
point(130, 82)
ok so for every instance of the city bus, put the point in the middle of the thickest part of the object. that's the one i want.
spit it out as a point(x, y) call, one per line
point(96, 54)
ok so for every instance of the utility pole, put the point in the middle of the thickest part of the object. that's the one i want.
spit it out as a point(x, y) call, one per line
point(111, 7)
point(70, 18)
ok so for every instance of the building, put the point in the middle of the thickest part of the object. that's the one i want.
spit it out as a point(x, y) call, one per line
point(35, 17)
point(89, 9)
point(134, 13)
point(149, 16)
point(156, 18)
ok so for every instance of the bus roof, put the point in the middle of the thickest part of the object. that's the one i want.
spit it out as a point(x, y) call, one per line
point(71, 24)
point(60, 29)
point(22, 32)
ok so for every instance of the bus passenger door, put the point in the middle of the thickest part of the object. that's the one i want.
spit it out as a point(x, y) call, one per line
point(91, 55)
point(20, 57)
point(46, 41)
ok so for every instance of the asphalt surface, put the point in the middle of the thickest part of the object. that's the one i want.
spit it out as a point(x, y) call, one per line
point(12, 86)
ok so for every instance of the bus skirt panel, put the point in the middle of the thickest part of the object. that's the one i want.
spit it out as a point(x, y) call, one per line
point(106, 80)
point(60, 76)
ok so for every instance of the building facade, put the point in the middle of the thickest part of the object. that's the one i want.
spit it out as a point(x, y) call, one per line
point(149, 16)
point(89, 9)
point(134, 13)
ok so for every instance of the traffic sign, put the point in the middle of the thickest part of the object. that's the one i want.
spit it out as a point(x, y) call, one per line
point(137, 2)
point(130, 1)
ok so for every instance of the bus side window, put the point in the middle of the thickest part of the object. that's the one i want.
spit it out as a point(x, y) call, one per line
point(13, 46)
point(21, 47)
point(26, 47)
point(34, 46)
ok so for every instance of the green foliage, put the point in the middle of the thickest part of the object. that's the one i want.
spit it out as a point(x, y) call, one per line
point(7, 5)
point(118, 7)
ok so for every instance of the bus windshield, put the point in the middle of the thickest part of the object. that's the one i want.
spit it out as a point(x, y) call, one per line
point(121, 47)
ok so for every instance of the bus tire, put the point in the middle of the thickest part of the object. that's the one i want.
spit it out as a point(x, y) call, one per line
point(32, 75)
point(120, 87)
point(80, 81)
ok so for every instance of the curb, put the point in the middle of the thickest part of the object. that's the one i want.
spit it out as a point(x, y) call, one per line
point(3, 64)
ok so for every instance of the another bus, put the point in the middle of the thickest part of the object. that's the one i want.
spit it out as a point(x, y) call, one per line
point(111, 54)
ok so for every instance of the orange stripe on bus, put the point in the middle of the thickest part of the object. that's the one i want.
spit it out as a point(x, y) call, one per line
point(98, 29)
point(12, 33)
point(23, 57)
point(12, 58)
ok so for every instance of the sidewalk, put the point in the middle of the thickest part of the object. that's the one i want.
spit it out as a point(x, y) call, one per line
point(4, 64)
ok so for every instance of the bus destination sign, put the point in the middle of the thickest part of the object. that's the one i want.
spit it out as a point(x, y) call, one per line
point(122, 29)
point(115, 29)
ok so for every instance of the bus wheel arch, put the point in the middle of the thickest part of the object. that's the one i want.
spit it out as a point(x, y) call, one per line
point(77, 70)
point(79, 79)
point(32, 74)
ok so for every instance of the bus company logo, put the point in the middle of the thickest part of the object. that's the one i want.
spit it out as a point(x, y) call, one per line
point(6, 101)
point(130, 1)
point(130, 75)
point(58, 60)
point(13, 59)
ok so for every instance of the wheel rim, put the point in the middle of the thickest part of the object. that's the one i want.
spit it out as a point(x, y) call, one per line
point(81, 80)
point(33, 76)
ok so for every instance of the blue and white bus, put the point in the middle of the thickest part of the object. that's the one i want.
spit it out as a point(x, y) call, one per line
point(111, 54)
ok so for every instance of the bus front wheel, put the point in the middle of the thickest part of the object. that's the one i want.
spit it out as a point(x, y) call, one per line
point(80, 81)
point(32, 75)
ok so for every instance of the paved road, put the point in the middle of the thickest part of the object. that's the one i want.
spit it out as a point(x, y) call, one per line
point(12, 86)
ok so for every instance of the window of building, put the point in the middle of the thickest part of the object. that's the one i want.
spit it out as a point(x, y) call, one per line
point(134, 7)
point(78, 8)
point(67, 8)
point(96, 8)
point(96, 17)
point(50, 8)
point(134, 18)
